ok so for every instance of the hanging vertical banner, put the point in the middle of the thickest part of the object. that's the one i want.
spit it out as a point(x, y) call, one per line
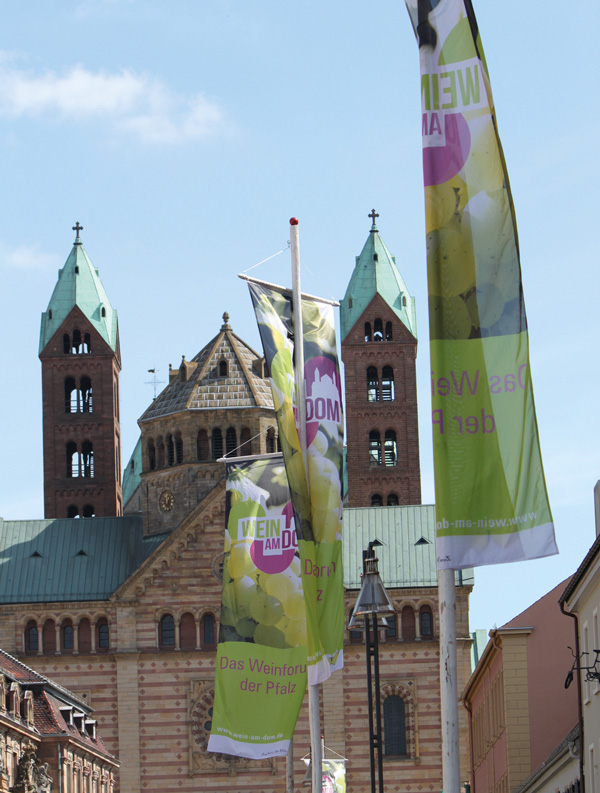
point(261, 674)
point(491, 500)
point(318, 517)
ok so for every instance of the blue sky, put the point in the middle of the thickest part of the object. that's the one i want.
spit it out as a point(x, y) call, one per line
point(184, 135)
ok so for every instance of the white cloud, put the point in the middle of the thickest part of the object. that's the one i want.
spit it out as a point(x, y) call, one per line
point(135, 104)
point(27, 258)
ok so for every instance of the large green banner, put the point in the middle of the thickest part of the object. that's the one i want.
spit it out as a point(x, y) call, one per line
point(318, 504)
point(261, 675)
point(491, 500)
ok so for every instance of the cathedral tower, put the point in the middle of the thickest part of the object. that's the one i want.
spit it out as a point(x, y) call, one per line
point(215, 404)
point(81, 361)
point(379, 351)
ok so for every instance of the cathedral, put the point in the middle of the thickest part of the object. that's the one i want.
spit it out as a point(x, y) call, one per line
point(116, 593)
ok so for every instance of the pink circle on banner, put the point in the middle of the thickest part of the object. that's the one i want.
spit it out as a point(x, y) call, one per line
point(323, 394)
point(442, 163)
point(279, 559)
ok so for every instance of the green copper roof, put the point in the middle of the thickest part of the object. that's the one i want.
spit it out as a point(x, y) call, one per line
point(375, 273)
point(70, 559)
point(407, 557)
point(79, 285)
point(131, 474)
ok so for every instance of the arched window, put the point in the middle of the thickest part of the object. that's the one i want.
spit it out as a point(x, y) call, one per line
point(187, 632)
point(222, 368)
point(391, 456)
point(245, 441)
point(151, 454)
point(49, 638)
point(207, 631)
point(102, 635)
point(388, 331)
point(166, 631)
point(72, 460)
point(426, 619)
point(178, 448)
point(372, 384)
point(87, 456)
point(70, 395)
point(84, 636)
point(368, 335)
point(391, 632)
point(270, 441)
point(66, 344)
point(407, 618)
point(76, 346)
point(217, 443)
point(160, 452)
point(230, 440)
point(66, 636)
point(394, 726)
point(86, 395)
point(202, 451)
point(392, 500)
point(87, 345)
point(170, 450)
point(378, 330)
point(376, 500)
point(88, 511)
point(72, 511)
point(31, 638)
point(387, 384)
point(375, 447)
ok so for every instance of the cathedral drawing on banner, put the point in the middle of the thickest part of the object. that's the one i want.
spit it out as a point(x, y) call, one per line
point(115, 595)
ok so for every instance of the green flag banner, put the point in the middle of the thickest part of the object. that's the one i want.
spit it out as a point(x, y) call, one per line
point(261, 675)
point(318, 517)
point(491, 500)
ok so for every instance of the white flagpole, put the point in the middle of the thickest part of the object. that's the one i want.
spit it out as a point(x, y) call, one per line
point(448, 682)
point(313, 691)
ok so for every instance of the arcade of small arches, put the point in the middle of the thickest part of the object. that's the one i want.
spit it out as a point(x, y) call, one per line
point(80, 459)
point(411, 623)
point(380, 391)
point(78, 395)
point(169, 450)
point(390, 448)
point(391, 500)
point(87, 511)
point(66, 636)
point(186, 632)
point(78, 343)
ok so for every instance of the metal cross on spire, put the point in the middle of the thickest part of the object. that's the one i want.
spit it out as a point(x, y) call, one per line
point(373, 215)
point(77, 228)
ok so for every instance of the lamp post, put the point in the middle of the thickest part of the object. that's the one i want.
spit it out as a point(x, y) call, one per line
point(373, 605)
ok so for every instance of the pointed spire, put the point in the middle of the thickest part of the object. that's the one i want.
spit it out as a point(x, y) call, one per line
point(376, 273)
point(79, 285)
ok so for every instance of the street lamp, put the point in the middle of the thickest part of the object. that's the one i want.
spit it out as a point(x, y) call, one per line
point(373, 605)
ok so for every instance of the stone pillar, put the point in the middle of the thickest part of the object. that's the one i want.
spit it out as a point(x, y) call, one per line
point(129, 728)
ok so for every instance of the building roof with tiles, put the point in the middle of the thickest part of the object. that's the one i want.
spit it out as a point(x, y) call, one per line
point(57, 711)
point(226, 373)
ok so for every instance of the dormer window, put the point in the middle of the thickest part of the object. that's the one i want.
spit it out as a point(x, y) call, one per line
point(222, 368)
point(103, 312)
